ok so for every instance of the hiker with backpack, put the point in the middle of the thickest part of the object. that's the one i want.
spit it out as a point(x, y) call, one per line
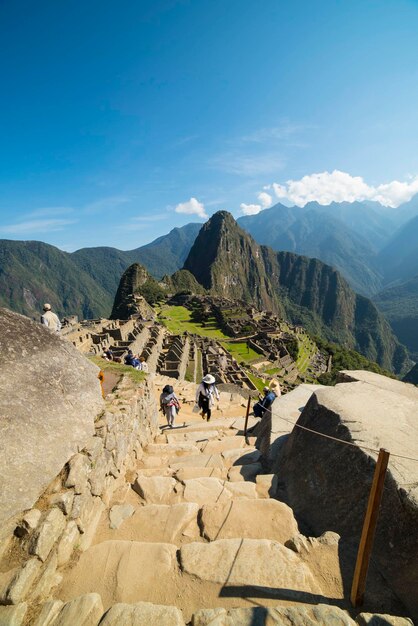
point(263, 429)
point(266, 401)
point(205, 394)
point(169, 404)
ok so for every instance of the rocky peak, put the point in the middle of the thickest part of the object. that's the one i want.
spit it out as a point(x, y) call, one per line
point(132, 280)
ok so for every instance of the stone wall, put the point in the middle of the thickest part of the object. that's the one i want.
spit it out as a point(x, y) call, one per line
point(63, 521)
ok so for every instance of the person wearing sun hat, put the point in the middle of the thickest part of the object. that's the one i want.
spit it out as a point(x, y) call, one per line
point(263, 429)
point(205, 394)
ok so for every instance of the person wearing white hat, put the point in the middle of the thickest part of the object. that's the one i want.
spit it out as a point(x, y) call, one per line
point(50, 319)
point(205, 394)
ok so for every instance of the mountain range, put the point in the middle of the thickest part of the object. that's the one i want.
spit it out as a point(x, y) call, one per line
point(373, 247)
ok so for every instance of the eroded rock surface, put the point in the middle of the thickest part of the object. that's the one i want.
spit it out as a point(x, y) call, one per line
point(49, 398)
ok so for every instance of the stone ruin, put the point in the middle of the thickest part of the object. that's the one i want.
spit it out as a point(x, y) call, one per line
point(192, 356)
point(94, 336)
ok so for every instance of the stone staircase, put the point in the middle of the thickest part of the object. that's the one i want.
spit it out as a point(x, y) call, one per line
point(200, 526)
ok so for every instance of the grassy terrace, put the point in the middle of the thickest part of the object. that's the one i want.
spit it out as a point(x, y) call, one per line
point(306, 350)
point(118, 368)
point(178, 320)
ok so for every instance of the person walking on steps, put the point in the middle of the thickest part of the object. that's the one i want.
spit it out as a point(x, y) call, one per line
point(263, 429)
point(205, 394)
point(169, 404)
point(50, 319)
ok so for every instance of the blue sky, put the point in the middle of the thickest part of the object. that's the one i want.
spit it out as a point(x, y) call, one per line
point(117, 116)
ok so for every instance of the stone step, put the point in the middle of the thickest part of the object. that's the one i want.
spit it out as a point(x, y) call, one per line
point(158, 489)
point(130, 571)
point(192, 436)
point(252, 563)
point(143, 614)
point(220, 445)
point(248, 472)
point(201, 460)
point(185, 473)
point(250, 519)
point(159, 523)
point(211, 490)
point(241, 456)
point(320, 614)
point(171, 449)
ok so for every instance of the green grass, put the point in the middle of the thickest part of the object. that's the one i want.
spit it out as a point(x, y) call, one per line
point(117, 368)
point(273, 370)
point(178, 320)
point(258, 382)
point(306, 349)
point(240, 351)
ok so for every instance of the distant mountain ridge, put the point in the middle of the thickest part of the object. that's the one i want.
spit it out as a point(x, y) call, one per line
point(303, 290)
point(83, 282)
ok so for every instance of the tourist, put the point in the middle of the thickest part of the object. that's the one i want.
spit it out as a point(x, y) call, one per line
point(205, 394)
point(144, 364)
point(265, 402)
point(50, 319)
point(132, 360)
point(108, 355)
point(264, 428)
point(169, 404)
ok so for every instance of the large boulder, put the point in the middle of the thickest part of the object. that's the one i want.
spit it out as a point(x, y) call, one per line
point(328, 483)
point(49, 398)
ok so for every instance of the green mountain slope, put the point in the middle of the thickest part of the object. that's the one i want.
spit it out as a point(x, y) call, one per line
point(304, 290)
point(400, 306)
point(84, 282)
point(32, 273)
point(399, 258)
point(316, 233)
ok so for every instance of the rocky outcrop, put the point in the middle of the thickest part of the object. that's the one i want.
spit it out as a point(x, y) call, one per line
point(128, 300)
point(49, 398)
point(328, 483)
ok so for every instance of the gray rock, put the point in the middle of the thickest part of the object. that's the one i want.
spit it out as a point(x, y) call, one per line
point(29, 522)
point(63, 501)
point(48, 580)
point(49, 398)
point(13, 615)
point(70, 538)
point(19, 587)
point(374, 619)
point(90, 525)
point(333, 489)
point(320, 614)
point(120, 512)
point(48, 613)
point(206, 490)
point(79, 466)
point(84, 611)
point(47, 534)
point(142, 614)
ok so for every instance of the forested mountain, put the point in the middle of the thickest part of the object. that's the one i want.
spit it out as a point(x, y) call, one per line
point(314, 233)
point(303, 290)
point(83, 282)
point(32, 272)
point(399, 257)
point(400, 306)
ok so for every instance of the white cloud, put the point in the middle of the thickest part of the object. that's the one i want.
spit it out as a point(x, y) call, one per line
point(337, 186)
point(192, 207)
point(265, 199)
point(31, 227)
point(250, 209)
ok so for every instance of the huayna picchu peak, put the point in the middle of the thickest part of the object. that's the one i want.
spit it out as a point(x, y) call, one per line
point(228, 262)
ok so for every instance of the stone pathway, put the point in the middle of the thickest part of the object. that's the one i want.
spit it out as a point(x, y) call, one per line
point(200, 538)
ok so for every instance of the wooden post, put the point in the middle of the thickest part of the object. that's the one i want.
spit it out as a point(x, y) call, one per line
point(369, 527)
point(246, 418)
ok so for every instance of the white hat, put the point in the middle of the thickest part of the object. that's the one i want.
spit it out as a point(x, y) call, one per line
point(208, 379)
point(47, 307)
